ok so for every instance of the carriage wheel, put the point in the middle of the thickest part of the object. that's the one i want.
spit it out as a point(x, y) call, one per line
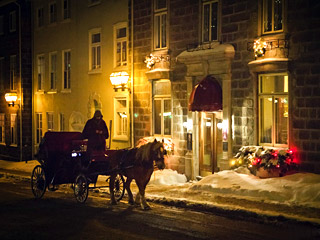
point(81, 188)
point(38, 182)
point(119, 187)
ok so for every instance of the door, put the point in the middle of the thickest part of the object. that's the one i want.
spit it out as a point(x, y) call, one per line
point(208, 153)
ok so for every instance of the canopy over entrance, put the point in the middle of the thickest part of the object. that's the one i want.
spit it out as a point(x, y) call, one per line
point(206, 96)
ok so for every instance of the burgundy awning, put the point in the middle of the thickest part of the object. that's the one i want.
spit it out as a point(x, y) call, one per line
point(206, 96)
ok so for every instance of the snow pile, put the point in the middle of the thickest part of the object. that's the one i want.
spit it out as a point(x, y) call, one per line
point(167, 177)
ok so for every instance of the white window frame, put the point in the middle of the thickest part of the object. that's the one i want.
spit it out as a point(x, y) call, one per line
point(123, 125)
point(2, 128)
point(124, 40)
point(95, 59)
point(66, 71)
point(61, 122)
point(210, 37)
point(2, 74)
point(161, 98)
point(13, 21)
point(264, 15)
point(50, 121)
point(40, 17)
point(13, 69)
point(52, 12)
point(66, 9)
point(272, 96)
point(53, 71)
point(13, 130)
point(38, 128)
point(40, 72)
point(1, 25)
point(159, 13)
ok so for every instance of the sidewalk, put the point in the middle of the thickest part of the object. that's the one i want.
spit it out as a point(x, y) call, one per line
point(223, 195)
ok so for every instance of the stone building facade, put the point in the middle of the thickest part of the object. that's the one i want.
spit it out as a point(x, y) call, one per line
point(15, 79)
point(264, 55)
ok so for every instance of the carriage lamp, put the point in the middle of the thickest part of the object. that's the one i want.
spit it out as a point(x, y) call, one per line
point(11, 98)
point(119, 80)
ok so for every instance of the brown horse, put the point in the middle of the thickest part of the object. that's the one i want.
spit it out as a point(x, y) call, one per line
point(138, 164)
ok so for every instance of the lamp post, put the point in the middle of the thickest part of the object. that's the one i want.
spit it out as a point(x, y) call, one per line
point(119, 80)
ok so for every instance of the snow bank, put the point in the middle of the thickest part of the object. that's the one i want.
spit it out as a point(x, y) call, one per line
point(167, 177)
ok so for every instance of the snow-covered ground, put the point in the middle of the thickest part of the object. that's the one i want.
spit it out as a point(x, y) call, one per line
point(297, 189)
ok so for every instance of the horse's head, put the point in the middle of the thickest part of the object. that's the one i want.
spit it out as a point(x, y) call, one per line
point(158, 153)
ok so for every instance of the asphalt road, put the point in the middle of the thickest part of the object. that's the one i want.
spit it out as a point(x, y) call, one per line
point(59, 216)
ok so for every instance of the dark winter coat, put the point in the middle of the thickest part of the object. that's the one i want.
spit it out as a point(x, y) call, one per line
point(96, 131)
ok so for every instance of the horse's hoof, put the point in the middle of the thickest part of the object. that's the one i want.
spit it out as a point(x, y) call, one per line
point(114, 203)
point(146, 208)
point(131, 202)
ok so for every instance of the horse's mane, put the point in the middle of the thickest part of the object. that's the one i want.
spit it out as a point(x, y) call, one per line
point(144, 152)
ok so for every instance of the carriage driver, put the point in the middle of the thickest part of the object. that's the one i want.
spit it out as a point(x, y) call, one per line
point(96, 131)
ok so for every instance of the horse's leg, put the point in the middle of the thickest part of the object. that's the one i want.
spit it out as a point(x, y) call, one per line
point(111, 189)
point(127, 187)
point(141, 196)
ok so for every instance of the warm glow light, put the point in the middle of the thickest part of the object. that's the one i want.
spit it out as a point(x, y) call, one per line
point(11, 98)
point(119, 79)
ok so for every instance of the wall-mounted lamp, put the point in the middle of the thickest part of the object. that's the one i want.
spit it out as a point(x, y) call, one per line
point(119, 80)
point(11, 98)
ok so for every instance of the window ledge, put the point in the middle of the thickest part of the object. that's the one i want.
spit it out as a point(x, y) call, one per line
point(52, 91)
point(121, 138)
point(95, 71)
point(40, 92)
point(66, 91)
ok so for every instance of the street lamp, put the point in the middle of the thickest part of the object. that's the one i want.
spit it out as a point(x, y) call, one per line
point(11, 98)
point(119, 80)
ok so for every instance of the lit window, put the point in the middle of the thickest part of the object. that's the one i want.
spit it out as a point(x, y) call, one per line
point(272, 17)
point(162, 107)
point(95, 49)
point(66, 9)
point(66, 69)
point(12, 22)
point(38, 127)
point(53, 70)
point(210, 21)
point(121, 116)
point(1, 25)
point(160, 24)
point(13, 129)
point(13, 67)
point(273, 109)
point(52, 12)
point(120, 38)
point(61, 122)
point(50, 121)
point(40, 17)
point(40, 66)
point(2, 128)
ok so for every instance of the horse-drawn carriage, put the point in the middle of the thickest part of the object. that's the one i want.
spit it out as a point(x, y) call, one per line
point(64, 160)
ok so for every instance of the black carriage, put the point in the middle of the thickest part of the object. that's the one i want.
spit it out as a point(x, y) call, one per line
point(64, 160)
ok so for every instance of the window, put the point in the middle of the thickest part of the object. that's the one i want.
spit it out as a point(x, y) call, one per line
point(162, 115)
point(13, 67)
point(272, 16)
point(53, 70)
point(210, 21)
point(120, 43)
point(1, 25)
point(160, 24)
point(95, 49)
point(273, 109)
point(52, 12)
point(13, 129)
point(12, 22)
point(2, 128)
point(40, 17)
point(61, 122)
point(2, 78)
point(38, 127)
point(66, 9)
point(66, 69)
point(121, 112)
point(40, 66)
point(50, 121)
